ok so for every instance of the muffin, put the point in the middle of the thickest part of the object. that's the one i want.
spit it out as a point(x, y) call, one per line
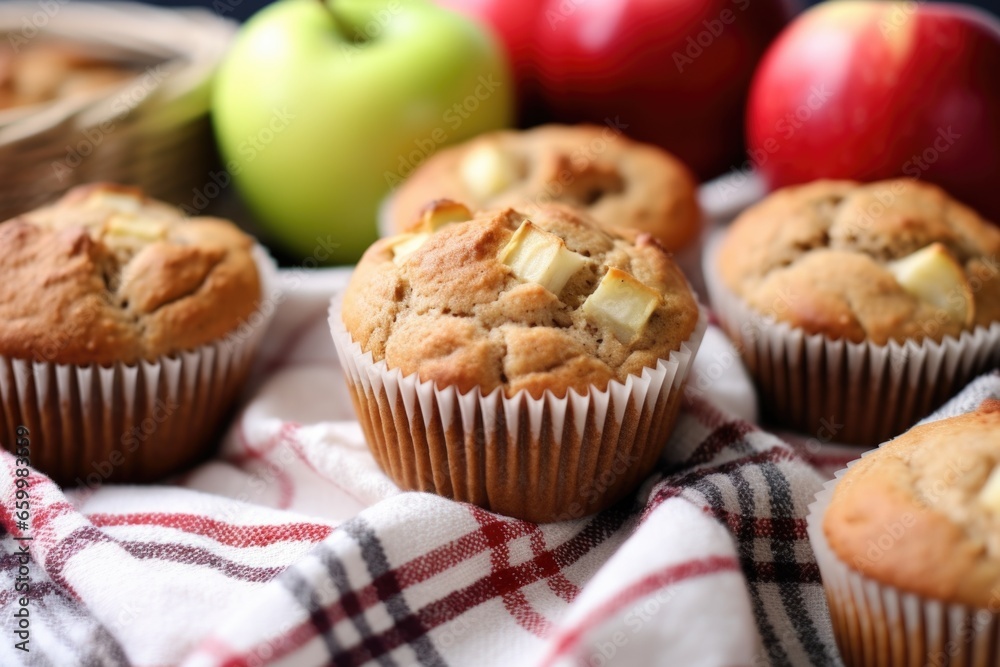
point(530, 365)
point(859, 308)
point(126, 331)
point(46, 70)
point(908, 543)
point(624, 185)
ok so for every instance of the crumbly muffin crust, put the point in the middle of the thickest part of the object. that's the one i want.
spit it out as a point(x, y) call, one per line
point(625, 185)
point(919, 513)
point(454, 313)
point(107, 275)
point(818, 256)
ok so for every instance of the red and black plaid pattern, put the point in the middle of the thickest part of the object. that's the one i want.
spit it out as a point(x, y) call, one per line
point(372, 594)
point(291, 548)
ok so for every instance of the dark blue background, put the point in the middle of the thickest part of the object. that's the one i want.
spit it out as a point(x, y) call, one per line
point(245, 8)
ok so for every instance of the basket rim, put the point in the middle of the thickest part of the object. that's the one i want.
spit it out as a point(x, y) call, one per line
point(190, 43)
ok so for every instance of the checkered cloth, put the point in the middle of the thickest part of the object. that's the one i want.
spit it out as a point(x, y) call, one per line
point(292, 548)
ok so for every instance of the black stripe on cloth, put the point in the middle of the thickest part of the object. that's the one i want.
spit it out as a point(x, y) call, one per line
point(598, 529)
point(676, 483)
point(371, 646)
point(49, 603)
point(390, 591)
point(305, 594)
point(745, 538)
point(783, 553)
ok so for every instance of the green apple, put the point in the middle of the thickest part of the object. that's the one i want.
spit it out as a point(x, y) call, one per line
point(321, 108)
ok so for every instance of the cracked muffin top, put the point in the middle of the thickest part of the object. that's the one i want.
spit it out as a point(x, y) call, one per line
point(543, 299)
point(892, 260)
point(624, 185)
point(930, 500)
point(106, 275)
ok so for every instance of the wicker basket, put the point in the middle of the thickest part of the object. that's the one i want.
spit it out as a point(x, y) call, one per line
point(152, 130)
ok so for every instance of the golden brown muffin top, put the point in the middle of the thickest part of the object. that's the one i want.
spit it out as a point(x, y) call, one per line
point(107, 275)
point(922, 513)
point(623, 184)
point(541, 301)
point(892, 260)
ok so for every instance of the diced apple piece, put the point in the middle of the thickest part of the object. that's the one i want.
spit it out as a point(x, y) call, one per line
point(442, 212)
point(538, 256)
point(486, 171)
point(127, 227)
point(622, 303)
point(933, 275)
point(405, 245)
point(118, 202)
point(989, 495)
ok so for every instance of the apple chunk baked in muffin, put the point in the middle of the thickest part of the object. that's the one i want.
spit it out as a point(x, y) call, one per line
point(552, 350)
point(836, 289)
point(895, 260)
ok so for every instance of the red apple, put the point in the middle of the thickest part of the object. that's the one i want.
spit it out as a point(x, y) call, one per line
point(674, 72)
point(871, 90)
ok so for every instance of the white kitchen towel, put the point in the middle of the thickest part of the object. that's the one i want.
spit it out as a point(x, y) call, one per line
point(290, 547)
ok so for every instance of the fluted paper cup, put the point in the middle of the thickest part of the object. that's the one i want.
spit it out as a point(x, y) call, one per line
point(877, 625)
point(539, 459)
point(857, 393)
point(130, 423)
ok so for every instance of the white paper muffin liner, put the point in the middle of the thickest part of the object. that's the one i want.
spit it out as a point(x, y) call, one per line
point(89, 425)
point(877, 625)
point(858, 393)
point(544, 459)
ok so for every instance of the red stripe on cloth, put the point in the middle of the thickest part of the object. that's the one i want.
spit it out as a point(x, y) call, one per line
point(283, 481)
point(668, 576)
point(274, 648)
point(43, 515)
point(514, 599)
point(453, 605)
point(223, 533)
point(723, 437)
point(449, 555)
point(251, 453)
point(292, 439)
point(560, 585)
point(413, 572)
point(216, 648)
point(783, 528)
point(287, 435)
